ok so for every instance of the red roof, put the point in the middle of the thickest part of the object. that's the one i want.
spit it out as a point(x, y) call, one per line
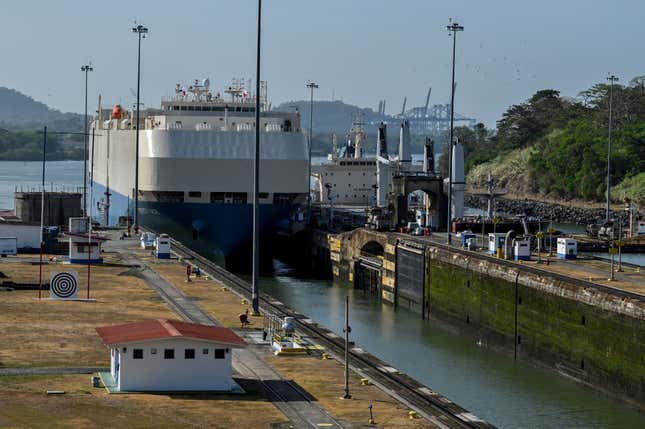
point(161, 329)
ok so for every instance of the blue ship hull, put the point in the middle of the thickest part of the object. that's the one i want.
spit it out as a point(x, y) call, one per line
point(222, 232)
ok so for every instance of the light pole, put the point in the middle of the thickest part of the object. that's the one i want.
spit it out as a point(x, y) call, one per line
point(347, 330)
point(311, 85)
point(452, 30)
point(141, 32)
point(611, 78)
point(85, 69)
point(256, 180)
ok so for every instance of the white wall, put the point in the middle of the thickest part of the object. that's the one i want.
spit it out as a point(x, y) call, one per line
point(154, 373)
point(28, 236)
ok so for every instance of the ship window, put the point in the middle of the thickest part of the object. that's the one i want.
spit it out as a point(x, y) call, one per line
point(238, 109)
point(263, 195)
point(342, 163)
point(349, 174)
point(168, 196)
point(217, 197)
point(279, 198)
point(245, 109)
point(238, 197)
point(183, 108)
point(362, 163)
point(218, 109)
point(195, 194)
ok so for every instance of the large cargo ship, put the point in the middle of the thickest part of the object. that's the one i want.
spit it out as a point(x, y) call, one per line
point(196, 169)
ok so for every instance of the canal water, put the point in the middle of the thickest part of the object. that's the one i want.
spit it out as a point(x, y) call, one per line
point(488, 383)
point(508, 394)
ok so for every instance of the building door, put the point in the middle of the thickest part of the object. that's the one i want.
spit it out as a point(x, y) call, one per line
point(368, 276)
point(117, 366)
point(410, 278)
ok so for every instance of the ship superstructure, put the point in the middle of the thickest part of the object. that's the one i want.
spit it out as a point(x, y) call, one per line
point(195, 167)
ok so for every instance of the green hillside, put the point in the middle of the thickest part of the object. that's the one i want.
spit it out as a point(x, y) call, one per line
point(557, 147)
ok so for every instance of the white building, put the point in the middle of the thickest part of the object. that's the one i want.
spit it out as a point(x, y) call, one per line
point(169, 355)
point(27, 235)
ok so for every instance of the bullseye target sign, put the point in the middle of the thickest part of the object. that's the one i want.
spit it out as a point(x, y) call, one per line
point(63, 285)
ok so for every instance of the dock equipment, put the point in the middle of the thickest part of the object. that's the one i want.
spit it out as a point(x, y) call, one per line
point(567, 248)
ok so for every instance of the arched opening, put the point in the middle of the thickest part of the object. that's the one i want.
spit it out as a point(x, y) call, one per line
point(372, 248)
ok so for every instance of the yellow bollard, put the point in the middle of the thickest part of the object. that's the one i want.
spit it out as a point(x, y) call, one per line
point(224, 288)
point(244, 301)
point(365, 382)
point(412, 414)
point(371, 422)
point(325, 356)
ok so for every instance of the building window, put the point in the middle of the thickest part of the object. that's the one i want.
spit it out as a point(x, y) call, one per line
point(169, 353)
point(204, 351)
point(137, 353)
point(220, 354)
point(189, 354)
point(153, 351)
point(195, 194)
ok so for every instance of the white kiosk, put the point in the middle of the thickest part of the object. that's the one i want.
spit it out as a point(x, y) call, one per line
point(521, 250)
point(567, 248)
point(496, 241)
point(162, 247)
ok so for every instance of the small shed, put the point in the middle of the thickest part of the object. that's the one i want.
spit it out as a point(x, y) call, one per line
point(567, 248)
point(148, 240)
point(162, 247)
point(169, 355)
point(27, 235)
point(521, 250)
point(83, 247)
point(496, 241)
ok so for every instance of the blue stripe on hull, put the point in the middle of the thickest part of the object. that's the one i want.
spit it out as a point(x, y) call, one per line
point(219, 230)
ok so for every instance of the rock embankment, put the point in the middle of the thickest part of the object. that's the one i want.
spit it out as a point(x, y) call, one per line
point(558, 212)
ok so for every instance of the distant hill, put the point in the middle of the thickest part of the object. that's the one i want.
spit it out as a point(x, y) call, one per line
point(21, 112)
point(333, 116)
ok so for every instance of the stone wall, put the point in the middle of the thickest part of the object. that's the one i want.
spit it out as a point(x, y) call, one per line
point(561, 213)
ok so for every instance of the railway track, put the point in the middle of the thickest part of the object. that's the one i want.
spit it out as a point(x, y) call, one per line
point(437, 408)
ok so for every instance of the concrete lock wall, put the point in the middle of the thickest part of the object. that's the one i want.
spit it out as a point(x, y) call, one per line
point(590, 335)
point(593, 335)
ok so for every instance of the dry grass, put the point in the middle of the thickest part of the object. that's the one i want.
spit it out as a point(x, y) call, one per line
point(56, 333)
point(24, 404)
point(324, 380)
point(222, 304)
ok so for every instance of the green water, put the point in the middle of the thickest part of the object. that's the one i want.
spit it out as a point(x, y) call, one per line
point(490, 384)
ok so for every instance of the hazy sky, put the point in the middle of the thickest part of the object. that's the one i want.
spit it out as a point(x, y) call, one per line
point(360, 50)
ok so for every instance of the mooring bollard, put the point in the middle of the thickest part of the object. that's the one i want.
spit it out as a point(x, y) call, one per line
point(325, 356)
point(365, 382)
point(412, 414)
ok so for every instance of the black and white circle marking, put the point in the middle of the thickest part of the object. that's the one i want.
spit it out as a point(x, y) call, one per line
point(63, 285)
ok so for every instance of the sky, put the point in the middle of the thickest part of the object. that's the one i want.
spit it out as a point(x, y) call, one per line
point(358, 51)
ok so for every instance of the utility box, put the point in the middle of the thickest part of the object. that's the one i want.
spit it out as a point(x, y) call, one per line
point(162, 247)
point(148, 240)
point(465, 236)
point(496, 241)
point(521, 250)
point(567, 248)
point(8, 246)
